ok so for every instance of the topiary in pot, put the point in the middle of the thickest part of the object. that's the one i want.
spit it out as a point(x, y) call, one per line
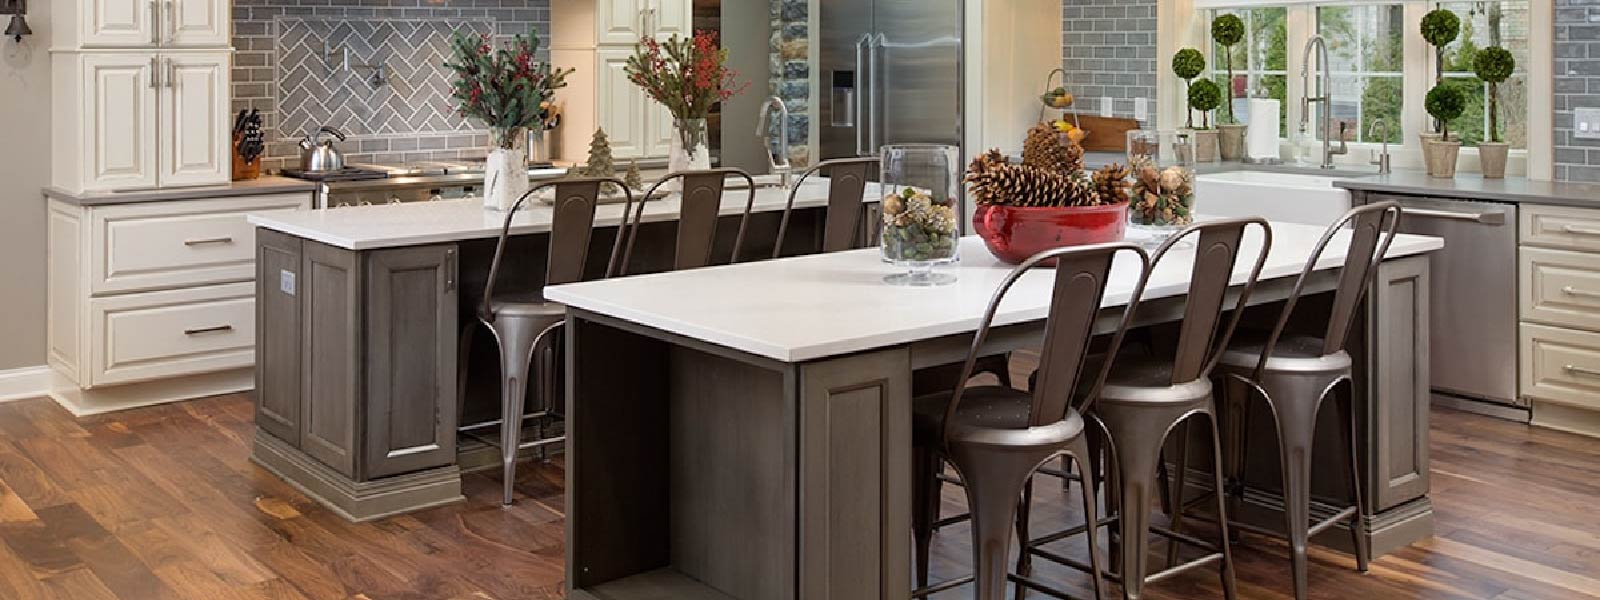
point(1188, 64)
point(1493, 65)
point(1227, 31)
point(1445, 102)
point(1205, 96)
point(1439, 28)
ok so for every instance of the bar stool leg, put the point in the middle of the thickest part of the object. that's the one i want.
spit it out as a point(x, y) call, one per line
point(925, 467)
point(1229, 587)
point(1079, 451)
point(994, 478)
point(1347, 413)
point(1180, 466)
point(516, 339)
point(1136, 475)
point(1024, 559)
point(1295, 430)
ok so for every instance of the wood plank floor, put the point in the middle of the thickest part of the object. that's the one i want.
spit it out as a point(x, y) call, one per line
point(164, 503)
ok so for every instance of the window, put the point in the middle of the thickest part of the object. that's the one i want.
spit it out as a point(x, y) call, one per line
point(1485, 24)
point(1260, 61)
point(1366, 45)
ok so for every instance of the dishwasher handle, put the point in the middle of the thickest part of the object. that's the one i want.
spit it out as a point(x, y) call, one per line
point(1482, 218)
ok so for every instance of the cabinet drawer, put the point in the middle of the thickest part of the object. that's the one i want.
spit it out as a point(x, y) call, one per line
point(135, 337)
point(159, 245)
point(1561, 365)
point(1561, 227)
point(1561, 288)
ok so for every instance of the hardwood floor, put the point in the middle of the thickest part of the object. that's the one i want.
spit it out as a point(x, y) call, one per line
point(164, 503)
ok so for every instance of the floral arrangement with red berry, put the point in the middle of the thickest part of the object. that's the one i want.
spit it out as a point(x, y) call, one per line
point(688, 76)
point(505, 88)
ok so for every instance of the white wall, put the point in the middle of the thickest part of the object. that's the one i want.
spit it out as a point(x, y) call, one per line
point(24, 169)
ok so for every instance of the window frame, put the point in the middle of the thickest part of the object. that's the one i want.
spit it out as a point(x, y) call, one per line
point(1187, 25)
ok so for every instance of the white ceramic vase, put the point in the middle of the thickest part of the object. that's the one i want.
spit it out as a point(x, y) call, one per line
point(688, 150)
point(505, 176)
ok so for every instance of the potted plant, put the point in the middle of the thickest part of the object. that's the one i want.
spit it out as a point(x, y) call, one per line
point(1439, 28)
point(508, 92)
point(688, 76)
point(1445, 102)
point(1188, 64)
point(1493, 65)
point(1227, 31)
point(1205, 96)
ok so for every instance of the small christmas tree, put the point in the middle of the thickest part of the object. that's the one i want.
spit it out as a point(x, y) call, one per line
point(633, 178)
point(600, 163)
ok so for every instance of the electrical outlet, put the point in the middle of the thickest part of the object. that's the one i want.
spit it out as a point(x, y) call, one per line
point(1105, 107)
point(1141, 109)
point(1586, 123)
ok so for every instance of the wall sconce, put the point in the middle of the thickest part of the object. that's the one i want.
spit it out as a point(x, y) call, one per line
point(18, 26)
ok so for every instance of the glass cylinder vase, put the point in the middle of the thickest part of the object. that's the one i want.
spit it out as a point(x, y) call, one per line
point(688, 149)
point(921, 211)
point(505, 174)
point(1163, 184)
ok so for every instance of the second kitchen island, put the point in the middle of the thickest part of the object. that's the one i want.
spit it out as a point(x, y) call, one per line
point(359, 311)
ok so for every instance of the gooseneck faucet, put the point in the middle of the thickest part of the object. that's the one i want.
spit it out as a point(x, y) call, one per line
point(1383, 159)
point(777, 162)
point(1324, 97)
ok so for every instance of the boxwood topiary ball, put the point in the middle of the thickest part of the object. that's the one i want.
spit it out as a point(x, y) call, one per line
point(1440, 27)
point(1445, 102)
point(1205, 95)
point(1494, 64)
point(1188, 63)
point(1227, 30)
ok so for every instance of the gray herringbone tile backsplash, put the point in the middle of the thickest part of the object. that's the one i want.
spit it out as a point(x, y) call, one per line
point(282, 69)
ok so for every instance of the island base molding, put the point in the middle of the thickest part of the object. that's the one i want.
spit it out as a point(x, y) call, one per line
point(353, 500)
point(1382, 532)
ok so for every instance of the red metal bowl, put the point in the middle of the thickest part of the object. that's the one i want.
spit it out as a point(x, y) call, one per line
point(1014, 233)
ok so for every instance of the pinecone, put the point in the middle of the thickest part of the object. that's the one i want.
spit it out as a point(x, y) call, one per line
point(994, 180)
point(1046, 149)
point(1111, 183)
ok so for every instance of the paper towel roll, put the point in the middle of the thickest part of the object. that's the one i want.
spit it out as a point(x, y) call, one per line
point(1261, 139)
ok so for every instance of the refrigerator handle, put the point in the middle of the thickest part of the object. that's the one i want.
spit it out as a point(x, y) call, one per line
point(874, 140)
point(862, 89)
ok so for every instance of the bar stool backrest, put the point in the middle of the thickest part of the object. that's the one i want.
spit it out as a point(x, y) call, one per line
point(1081, 276)
point(847, 184)
point(1200, 342)
point(571, 227)
point(1372, 229)
point(700, 207)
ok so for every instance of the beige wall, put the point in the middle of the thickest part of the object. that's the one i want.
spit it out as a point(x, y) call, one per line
point(24, 169)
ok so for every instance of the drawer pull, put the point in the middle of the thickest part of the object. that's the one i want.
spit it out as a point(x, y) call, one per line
point(1572, 291)
point(1577, 370)
point(1574, 229)
point(205, 330)
point(208, 241)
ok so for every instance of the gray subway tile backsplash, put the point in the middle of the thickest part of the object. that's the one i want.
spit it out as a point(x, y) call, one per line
point(1107, 52)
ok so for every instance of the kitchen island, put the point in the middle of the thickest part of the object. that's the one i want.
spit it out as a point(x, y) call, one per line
point(358, 314)
point(745, 431)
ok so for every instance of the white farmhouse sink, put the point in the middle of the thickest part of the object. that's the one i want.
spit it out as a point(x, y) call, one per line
point(1289, 197)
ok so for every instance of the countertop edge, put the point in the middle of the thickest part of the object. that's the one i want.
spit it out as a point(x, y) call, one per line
point(258, 187)
point(1553, 193)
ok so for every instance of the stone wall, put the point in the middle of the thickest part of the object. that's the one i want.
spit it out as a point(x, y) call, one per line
point(790, 73)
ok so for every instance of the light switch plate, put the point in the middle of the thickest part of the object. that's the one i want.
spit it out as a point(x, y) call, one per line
point(1586, 123)
point(1141, 109)
point(1105, 106)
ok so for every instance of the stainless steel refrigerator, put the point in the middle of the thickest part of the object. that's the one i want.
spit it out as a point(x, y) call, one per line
point(891, 74)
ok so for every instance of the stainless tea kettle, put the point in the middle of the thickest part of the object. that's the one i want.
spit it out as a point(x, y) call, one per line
point(318, 155)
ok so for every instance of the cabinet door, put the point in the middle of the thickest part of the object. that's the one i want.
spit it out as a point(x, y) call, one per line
point(196, 23)
point(621, 105)
point(194, 116)
point(120, 121)
point(411, 329)
point(278, 349)
point(119, 22)
point(619, 21)
point(659, 125)
point(671, 17)
point(330, 368)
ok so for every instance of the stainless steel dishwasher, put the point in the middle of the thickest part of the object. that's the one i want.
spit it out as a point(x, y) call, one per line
point(1473, 295)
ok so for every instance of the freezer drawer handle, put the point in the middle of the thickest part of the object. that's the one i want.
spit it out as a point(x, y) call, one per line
point(1488, 218)
point(1580, 230)
point(1572, 291)
point(208, 241)
point(204, 330)
point(1577, 370)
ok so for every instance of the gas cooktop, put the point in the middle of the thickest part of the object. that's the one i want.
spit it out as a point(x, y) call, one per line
point(339, 175)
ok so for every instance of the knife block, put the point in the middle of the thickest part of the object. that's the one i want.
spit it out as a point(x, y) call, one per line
point(243, 170)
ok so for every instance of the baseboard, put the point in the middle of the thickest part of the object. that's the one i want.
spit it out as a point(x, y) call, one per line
point(24, 383)
point(81, 402)
point(1570, 419)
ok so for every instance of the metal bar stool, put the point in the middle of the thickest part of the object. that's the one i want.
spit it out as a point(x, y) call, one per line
point(700, 207)
point(1293, 374)
point(1146, 397)
point(842, 224)
point(997, 436)
point(524, 325)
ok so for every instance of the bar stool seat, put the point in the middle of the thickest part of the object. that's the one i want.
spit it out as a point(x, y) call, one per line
point(986, 406)
point(527, 306)
point(1299, 353)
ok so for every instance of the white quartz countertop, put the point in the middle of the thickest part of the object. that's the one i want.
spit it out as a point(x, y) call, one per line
point(418, 223)
point(812, 307)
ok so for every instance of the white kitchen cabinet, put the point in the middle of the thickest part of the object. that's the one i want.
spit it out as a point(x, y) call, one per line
point(138, 120)
point(143, 23)
point(1560, 333)
point(624, 22)
point(667, 18)
point(603, 33)
point(621, 106)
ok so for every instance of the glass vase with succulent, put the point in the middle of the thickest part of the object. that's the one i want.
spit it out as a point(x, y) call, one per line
point(509, 92)
point(689, 77)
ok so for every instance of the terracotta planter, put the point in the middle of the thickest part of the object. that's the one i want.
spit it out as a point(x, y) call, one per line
point(1492, 159)
point(1014, 233)
point(1206, 145)
point(1427, 140)
point(1442, 158)
point(1231, 141)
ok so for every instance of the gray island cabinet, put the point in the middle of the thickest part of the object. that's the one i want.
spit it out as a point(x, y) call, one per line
point(360, 309)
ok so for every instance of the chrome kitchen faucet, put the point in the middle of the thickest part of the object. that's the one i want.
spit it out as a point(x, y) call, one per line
point(778, 162)
point(1325, 88)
